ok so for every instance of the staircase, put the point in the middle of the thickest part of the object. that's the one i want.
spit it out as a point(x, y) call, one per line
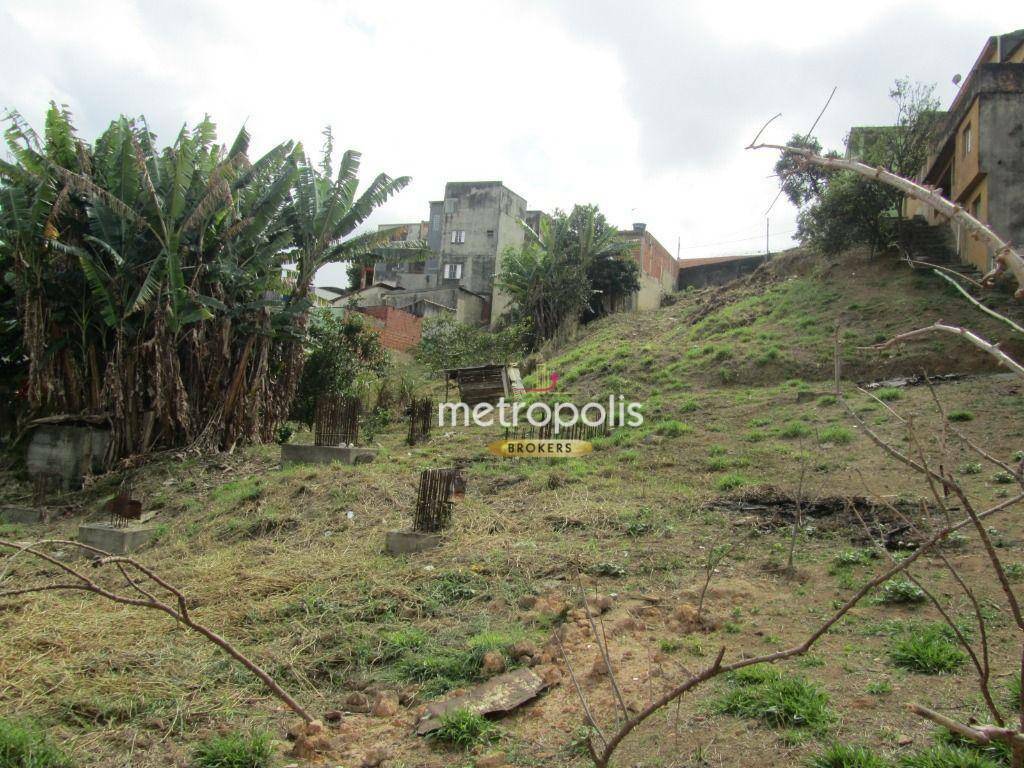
point(923, 242)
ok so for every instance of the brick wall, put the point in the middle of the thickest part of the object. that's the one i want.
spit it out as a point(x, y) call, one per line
point(398, 329)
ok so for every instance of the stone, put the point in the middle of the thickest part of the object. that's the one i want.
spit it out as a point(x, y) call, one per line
point(498, 695)
point(292, 453)
point(904, 741)
point(600, 604)
point(357, 702)
point(523, 648)
point(386, 705)
point(333, 715)
point(23, 515)
point(410, 542)
point(493, 663)
point(375, 757)
point(116, 541)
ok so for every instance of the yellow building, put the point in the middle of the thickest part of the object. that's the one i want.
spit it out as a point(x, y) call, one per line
point(978, 160)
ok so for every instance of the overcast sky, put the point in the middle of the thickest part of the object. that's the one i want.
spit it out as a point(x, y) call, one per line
point(641, 107)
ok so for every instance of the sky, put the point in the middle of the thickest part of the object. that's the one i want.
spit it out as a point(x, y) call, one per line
point(641, 106)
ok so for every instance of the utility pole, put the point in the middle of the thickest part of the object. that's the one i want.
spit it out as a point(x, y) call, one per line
point(767, 239)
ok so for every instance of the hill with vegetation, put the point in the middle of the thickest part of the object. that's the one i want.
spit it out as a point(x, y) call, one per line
point(289, 563)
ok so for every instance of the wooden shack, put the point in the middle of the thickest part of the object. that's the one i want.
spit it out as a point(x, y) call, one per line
point(485, 383)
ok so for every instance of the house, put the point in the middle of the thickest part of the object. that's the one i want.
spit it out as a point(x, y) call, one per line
point(978, 159)
point(466, 237)
point(659, 270)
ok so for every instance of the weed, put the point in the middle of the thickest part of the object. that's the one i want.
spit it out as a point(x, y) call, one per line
point(437, 670)
point(396, 644)
point(851, 557)
point(455, 587)
point(929, 650)
point(671, 428)
point(888, 394)
point(970, 468)
point(465, 729)
point(24, 746)
point(730, 481)
point(1014, 571)
point(881, 688)
point(794, 429)
point(1003, 478)
point(900, 592)
point(826, 400)
point(945, 756)
point(763, 693)
point(960, 416)
point(670, 645)
point(234, 751)
point(718, 464)
point(689, 405)
point(836, 434)
point(844, 756)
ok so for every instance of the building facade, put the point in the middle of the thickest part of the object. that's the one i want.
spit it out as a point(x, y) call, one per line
point(659, 270)
point(978, 159)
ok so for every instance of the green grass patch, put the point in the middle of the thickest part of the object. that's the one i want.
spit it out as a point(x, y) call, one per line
point(960, 416)
point(900, 592)
point(837, 435)
point(465, 729)
point(23, 745)
point(672, 428)
point(234, 751)
point(946, 756)
point(731, 481)
point(929, 650)
point(846, 756)
point(888, 394)
point(782, 701)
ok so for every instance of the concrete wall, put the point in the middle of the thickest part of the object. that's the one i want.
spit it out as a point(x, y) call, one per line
point(717, 272)
point(66, 453)
point(1002, 158)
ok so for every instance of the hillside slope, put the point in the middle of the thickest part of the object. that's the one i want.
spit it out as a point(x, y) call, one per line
point(288, 563)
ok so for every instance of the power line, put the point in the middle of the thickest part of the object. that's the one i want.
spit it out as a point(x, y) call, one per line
point(740, 240)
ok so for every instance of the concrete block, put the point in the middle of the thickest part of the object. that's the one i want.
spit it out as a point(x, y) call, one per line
point(66, 453)
point(410, 542)
point(23, 515)
point(325, 454)
point(116, 541)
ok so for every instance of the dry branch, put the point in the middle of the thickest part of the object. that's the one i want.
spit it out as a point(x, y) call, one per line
point(134, 576)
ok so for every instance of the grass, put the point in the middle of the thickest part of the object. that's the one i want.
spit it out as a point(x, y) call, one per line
point(782, 701)
point(23, 745)
point(960, 416)
point(235, 750)
point(836, 434)
point(465, 729)
point(671, 428)
point(731, 481)
point(845, 756)
point(888, 394)
point(900, 592)
point(929, 650)
point(946, 756)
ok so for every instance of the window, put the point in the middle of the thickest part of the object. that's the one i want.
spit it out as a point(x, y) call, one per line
point(458, 235)
point(452, 271)
point(490, 233)
point(968, 140)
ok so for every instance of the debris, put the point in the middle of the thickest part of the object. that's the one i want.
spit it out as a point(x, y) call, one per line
point(912, 381)
point(499, 694)
point(312, 740)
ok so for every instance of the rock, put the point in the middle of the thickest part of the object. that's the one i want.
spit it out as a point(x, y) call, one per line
point(493, 663)
point(312, 741)
point(551, 675)
point(374, 758)
point(332, 716)
point(599, 669)
point(905, 741)
point(523, 648)
point(601, 604)
point(357, 702)
point(386, 705)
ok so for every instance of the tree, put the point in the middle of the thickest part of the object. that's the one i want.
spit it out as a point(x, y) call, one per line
point(446, 343)
point(153, 285)
point(838, 209)
point(341, 352)
point(563, 271)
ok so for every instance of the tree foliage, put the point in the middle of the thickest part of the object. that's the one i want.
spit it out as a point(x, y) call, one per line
point(343, 352)
point(167, 289)
point(839, 210)
point(446, 343)
point(566, 271)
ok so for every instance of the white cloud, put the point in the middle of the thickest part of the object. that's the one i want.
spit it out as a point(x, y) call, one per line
point(640, 107)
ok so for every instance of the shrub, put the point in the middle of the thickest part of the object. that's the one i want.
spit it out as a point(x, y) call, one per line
point(844, 756)
point(671, 428)
point(234, 751)
point(901, 592)
point(971, 468)
point(783, 701)
point(1002, 478)
point(24, 746)
point(960, 416)
point(836, 434)
point(730, 481)
point(465, 729)
point(929, 650)
point(888, 394)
